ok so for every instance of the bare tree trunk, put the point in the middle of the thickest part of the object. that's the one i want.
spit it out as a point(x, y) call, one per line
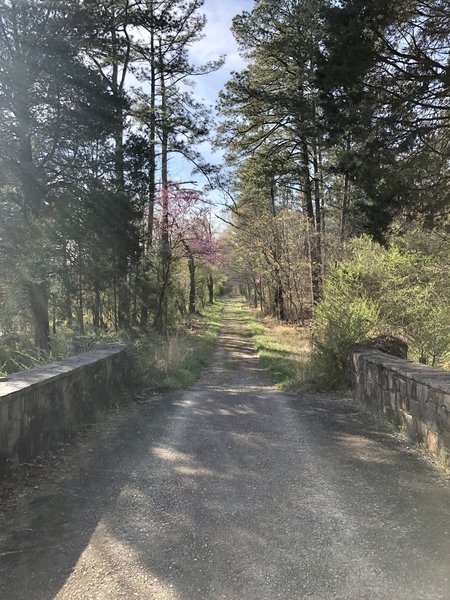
point(123, 299)
point(39, 292)
point(192, 285)
point(211, 288)
point(67, 287)
point(39, 299)
point(344, 207)
point(116, 320)
point(313, 239)
point(152, 148)
point(80, 290)
point(161, 316)
point(261, 295)
point(96, 307)
point(279, 300)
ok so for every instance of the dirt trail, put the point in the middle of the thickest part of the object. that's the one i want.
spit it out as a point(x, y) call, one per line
point(236, 491)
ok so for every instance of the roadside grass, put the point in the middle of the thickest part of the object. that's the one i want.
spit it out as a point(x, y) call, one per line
point(283, 350)
point(175, 362)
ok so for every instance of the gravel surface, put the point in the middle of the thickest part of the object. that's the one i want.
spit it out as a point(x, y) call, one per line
point(236, 491)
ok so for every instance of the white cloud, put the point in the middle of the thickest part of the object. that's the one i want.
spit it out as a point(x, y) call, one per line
point(218, 41)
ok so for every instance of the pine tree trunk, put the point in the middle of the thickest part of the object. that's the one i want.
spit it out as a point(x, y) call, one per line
point(96, 307)
point(344, 206)
point(152, 148)
point(39, 300)
point(313, 240)
point(211, 289)
point(145, 286)
point(162, 312)
point(123, 302)
point(39, 293)
point(67, 287)
point(192, 286)
point(80, 291)
point(122, 214)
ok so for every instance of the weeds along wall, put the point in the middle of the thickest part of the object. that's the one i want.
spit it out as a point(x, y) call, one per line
point(413, 396)
point(43, 406)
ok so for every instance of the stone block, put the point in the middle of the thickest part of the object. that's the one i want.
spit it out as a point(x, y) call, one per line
point(411, 388)
point(422, 431)
point(409, 424)
point(446, 401)
point(422, 393)
point(414, 408)
point(432, 441)
point(443, 420)
point(428, 414)
point(405, 403)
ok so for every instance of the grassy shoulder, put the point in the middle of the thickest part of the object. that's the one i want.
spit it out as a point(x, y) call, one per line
point(175, 362)
point(283, 350)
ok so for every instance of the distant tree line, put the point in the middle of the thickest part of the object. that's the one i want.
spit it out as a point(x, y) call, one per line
point(93, 102)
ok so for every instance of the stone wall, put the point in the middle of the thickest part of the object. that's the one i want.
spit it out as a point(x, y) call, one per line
point(42, 406)
point(411, 395)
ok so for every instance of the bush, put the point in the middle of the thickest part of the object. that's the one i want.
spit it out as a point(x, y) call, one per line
point(401, 291)
point(345, 317)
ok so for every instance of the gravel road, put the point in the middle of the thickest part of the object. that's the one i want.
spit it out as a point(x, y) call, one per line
point(237, 491)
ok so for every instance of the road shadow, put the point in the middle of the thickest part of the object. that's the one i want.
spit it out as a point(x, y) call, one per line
point(236, 490)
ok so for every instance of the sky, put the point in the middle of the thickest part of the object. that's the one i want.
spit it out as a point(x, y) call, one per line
point(218, 41)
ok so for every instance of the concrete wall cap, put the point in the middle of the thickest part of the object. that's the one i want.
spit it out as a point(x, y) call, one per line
point(438, 379)
point(15, 382)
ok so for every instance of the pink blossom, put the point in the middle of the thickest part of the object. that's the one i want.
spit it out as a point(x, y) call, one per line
point(186, 215)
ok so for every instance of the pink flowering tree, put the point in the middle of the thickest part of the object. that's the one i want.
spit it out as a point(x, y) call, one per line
point(183, 218)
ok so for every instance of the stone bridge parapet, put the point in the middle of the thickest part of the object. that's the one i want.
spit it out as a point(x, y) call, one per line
point(412, 395)
point(45, 405)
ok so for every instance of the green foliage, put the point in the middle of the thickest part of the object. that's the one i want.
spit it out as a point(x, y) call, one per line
point(273, 356)
point(401, 166)
point(16, 353)
point(282, 350)
point(176, 360)
point(343, 318)
point(402, 290)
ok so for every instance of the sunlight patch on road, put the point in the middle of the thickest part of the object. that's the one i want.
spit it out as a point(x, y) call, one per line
point(112, 568)
point(195, 471)
point(170, 454)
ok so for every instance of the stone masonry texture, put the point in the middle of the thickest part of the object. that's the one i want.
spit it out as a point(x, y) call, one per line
point(43, 406)
point(413, 396)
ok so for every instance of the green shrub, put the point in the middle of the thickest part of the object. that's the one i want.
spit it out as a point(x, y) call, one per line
point(345, 317)
point(402, 290)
